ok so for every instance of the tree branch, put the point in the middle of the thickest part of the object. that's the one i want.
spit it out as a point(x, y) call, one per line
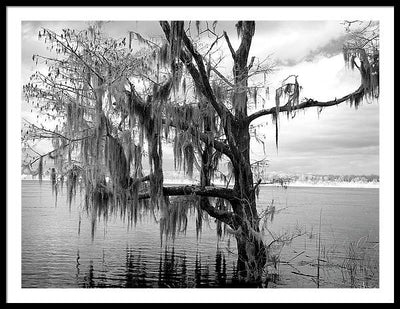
point(208, 191)
point(251, 63)
point(212, 45)
point(222, 77)
point(71, 140)
point(199, 75)
point(305, 104)
point(68, 47)
point(242, 53)
point(233, 53)
point(48, 153)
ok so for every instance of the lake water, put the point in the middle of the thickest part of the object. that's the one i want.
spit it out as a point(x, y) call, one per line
point(326, 237)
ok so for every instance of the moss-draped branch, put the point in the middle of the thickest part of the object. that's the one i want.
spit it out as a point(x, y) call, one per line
point(306, 104)
point(208, 191)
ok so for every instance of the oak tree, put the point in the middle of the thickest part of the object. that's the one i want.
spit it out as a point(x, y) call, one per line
point(111, 102)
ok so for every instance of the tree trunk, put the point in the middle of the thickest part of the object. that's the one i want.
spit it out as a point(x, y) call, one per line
point(251, 259)
point(252, 254)
point(251, 249)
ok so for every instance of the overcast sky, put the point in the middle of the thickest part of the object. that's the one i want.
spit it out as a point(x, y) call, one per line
point(340, 140)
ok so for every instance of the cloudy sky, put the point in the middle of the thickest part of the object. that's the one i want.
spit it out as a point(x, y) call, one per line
point(339, 140)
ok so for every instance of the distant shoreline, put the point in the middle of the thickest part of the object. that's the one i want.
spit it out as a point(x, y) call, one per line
point(293, 184)
point(330, 185)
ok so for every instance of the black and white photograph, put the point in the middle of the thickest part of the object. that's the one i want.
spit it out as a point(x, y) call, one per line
point(205, 154)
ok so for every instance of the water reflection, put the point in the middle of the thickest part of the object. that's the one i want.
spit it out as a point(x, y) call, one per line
point(135, 275)
point(220, 269)
point(89, 280)
point(174, 271)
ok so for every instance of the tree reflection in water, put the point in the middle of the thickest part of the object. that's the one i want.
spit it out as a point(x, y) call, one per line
point(135, 275)
point(173, 271)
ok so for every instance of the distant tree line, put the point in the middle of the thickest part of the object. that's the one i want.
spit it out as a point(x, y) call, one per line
point(316, 178)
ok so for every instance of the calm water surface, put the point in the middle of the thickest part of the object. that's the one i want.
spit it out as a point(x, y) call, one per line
point(61, 248)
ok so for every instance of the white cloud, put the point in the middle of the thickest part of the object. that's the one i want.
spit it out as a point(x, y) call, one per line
point(293, 41)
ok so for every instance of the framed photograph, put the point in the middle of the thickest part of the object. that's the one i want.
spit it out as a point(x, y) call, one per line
point(177, 154)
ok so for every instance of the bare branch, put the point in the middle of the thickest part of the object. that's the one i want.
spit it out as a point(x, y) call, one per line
point(212, 45)
point(233, 53)
point(68, 47)
point(199, 75)
point(251, 63)
point(222, 77)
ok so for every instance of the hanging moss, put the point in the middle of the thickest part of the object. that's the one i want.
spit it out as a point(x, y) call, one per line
point(40, 169)
point(72, 181)
point(85, 151)
point(53, 178)
point(117, 163)
point(177, 74)
point(174, 218)
point(99, 137)
point(177, 148)
point(137, 154)
point(290, 94)
point(275, 116)
point(184, 85)
point(161, 93)
point(134, 195)
point(255, 97)
point(356, 99)
point(221, 229)
point(127, 144)
point(164, 55)
point(369, 70)
point(188, 151)
point(156, 188)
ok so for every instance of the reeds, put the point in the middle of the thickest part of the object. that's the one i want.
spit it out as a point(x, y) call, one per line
point(319, 248)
